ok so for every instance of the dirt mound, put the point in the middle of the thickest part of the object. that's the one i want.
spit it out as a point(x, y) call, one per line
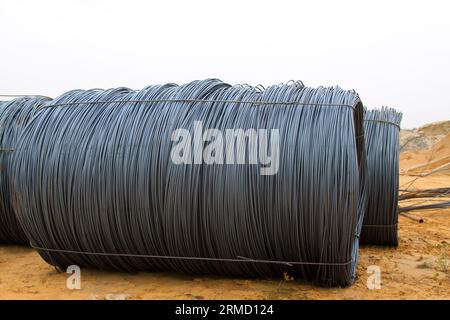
point(424, 137)
point(436, 158)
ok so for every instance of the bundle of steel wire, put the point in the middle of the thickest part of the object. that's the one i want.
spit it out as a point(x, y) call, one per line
point(382, 130)
point(14, 115)
point(96, 185)
point(439, 205)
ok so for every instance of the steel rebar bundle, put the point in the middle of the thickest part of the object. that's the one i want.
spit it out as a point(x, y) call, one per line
point(96, 184)
point(14, 115)
point(382, 130)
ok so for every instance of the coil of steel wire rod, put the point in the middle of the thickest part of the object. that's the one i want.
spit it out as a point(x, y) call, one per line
point(14, 115)
point(119, 179)
point(382, 131)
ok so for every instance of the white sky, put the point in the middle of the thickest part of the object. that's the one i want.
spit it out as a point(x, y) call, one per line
point(394, 53)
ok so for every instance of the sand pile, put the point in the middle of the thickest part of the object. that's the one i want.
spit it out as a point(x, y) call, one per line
point(433, 157)
point(424, 137)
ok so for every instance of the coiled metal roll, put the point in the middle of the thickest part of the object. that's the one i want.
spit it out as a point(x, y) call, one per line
point(96, 185)
point(382, 130)
point(14, 115)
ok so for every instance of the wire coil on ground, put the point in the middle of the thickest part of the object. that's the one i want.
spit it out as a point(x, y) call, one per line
point(14, 115)
point(382, 131)
point(106, 193)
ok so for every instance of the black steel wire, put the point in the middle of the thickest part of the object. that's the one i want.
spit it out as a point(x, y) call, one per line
point(440, 205)
point(382, 130)
point(14, 115)
point(95, 184)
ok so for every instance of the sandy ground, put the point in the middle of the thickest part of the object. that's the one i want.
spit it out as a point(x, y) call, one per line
point(418, 269)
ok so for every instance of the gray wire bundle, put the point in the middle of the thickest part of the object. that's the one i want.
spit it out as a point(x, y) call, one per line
point(96, 185)
point(14, 116)
point(382, 130)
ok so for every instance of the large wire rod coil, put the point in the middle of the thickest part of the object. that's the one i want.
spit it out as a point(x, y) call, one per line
point(382, 131)
point(97, 185)
point(14, 115)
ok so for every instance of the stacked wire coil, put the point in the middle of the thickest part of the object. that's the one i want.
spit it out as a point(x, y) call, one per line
point(95, 184)
point(382, 131)
point(14, 116)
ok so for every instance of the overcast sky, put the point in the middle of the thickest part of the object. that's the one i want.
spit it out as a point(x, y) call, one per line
point(394, 53)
